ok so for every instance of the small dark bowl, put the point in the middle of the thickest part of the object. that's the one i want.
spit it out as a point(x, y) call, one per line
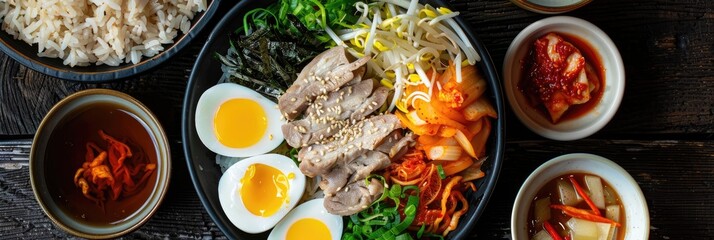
point(27, 55)
point(205, 173)
point(47, 188)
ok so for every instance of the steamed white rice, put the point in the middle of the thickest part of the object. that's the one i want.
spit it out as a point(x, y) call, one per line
point(84, 32)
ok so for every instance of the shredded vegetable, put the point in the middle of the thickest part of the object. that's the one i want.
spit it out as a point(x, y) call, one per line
point(441, 202)
point(406, 39)
point(112, 172)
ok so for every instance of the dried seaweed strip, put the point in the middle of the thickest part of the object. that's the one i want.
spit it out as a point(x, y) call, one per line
point(268, 60)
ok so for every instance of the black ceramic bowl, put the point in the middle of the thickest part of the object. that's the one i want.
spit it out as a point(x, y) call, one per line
point(205, 173)
point(27, 55)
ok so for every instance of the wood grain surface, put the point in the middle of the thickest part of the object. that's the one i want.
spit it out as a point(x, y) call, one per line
point(662, 133)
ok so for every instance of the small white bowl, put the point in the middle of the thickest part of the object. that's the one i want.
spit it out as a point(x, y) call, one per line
point(614, 87)
point(637, 220)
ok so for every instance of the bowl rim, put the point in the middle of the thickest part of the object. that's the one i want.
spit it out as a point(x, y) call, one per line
point(498, 131)
point(521, 198)
point(609, 54)
point(160, 136)
point(124, 70)
point(537, 8)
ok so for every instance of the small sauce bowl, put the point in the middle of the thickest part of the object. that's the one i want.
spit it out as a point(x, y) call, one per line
point(613, 84)
point(60, 148)
point(637, 219)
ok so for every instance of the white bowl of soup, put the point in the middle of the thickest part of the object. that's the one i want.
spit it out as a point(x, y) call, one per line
point(549, 201)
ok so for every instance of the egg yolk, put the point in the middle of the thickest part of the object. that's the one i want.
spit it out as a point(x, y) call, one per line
point(316, 229)
point(264, 189)
point(240, 123)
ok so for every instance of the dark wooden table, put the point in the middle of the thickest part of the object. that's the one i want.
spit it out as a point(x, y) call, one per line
point(662, 134)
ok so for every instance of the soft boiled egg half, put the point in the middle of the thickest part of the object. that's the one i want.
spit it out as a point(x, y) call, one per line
point(257, 192)
point(310, 220)
point(235, 121)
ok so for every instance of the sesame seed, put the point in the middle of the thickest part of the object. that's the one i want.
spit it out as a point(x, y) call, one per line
point(293, 99)
point(270, 136)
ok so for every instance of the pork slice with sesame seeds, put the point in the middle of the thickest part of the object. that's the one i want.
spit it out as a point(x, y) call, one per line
point(353, 170)
point(371, 104)
point(396, 144)
point(323, 157)
point(326, 72)
point(326, 116)
point(353, 198)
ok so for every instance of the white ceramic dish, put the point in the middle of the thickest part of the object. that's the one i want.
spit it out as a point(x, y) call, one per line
point(637, 223)
point(550, 6)
point(614, 86)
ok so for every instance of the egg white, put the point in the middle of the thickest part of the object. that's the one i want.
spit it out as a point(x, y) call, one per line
point(206, 110)
point(229, 195)
point(310, 209)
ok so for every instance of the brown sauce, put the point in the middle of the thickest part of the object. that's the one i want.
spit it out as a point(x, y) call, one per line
point(66, 153)
point(558, 218)
point(592, 58)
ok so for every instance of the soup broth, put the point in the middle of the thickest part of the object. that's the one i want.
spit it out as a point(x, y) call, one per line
point(66, 154)
point(552, 194)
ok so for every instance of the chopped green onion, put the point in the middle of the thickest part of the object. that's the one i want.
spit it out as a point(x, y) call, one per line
point(293, 154)
point(421, 231)
point(440, 170)
point(410, 187)
point(404, 236)
point(383, 220)
point(431, 235)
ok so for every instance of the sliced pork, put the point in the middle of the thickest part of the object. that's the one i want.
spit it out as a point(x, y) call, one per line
point(349, 143)
point(396, 144)
point(355, 170)
point(325, 73)
point(353, 198)
point(327, 115)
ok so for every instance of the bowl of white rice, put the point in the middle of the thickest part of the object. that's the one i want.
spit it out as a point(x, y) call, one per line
point(99, 40)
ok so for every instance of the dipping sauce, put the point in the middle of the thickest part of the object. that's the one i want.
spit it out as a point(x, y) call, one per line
point(66, 153)
point(560, 192)
point(562, 77)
